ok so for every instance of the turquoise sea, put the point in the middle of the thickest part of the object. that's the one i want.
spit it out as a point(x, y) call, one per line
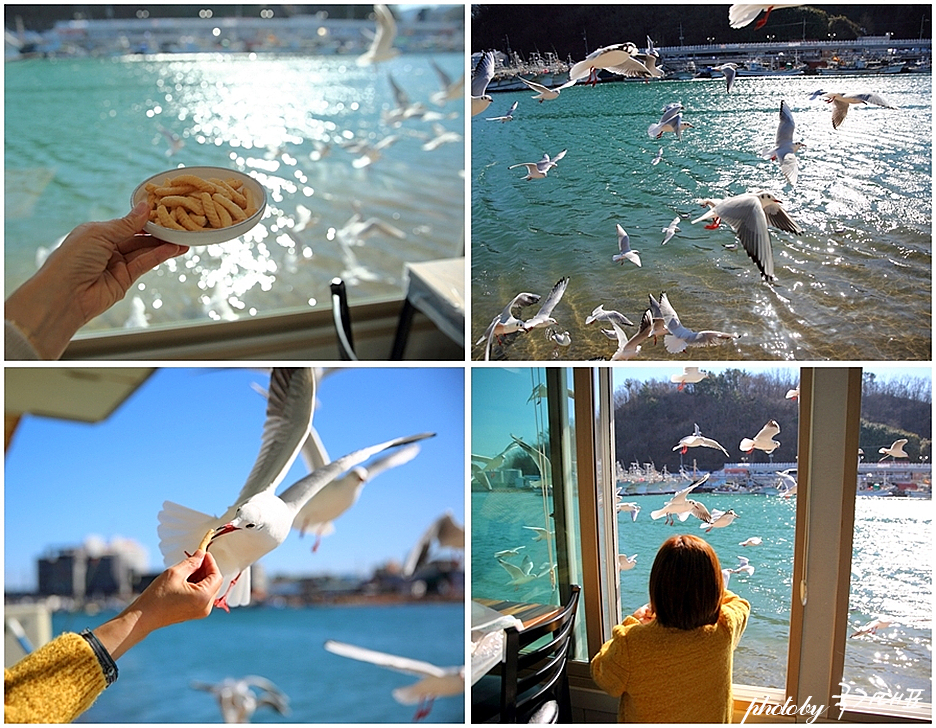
point(855, 286)
point(81, 134)
point(891, 576)
point(285, 646)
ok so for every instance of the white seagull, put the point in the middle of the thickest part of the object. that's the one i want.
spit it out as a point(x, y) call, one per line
point(670, 121)
point(720, 519)
point(538, 170)
point(872, 627)
point(381, 48)
point(670, 230)
point(743, 567)
point(659, 156)
point(682, 507)
point(523, 574)
point(617, 58)
point(451, 90)
point(626, 563)
point(238, 701)
point(483, 73)
point(690, 375)
point(784, 151)
point(629, 348)
point(741, 15)
point(793, 393)
point(841, 102)
point(624, 249)
point(259, 520)
point(435, 682)
point(443, 531)
point(730, 70)
point(680, 337)
point(895, 450)
point(545, 93)
point(508, 552)
point(539, 534)
point(749, 216)
point(786, 483)
point(505, 322)
point(323, 508)
point(631, 508)
point(506, 117)
point(544, 317)
point(600, 314)
point(763, 440)
point(697, 440)
point(752, 541)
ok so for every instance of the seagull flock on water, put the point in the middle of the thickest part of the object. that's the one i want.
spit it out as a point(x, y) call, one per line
point(749, 215)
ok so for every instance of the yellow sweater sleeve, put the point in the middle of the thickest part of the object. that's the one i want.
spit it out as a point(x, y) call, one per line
point(610, 667)
point(54, 684)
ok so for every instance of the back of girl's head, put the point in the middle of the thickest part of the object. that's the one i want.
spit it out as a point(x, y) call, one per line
point(686, 583)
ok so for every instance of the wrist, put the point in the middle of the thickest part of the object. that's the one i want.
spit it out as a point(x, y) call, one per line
point(42, 311)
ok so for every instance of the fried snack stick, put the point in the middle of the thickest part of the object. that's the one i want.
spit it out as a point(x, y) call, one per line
point(203, 546)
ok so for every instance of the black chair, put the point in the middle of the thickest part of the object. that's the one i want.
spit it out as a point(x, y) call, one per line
point(533, 673)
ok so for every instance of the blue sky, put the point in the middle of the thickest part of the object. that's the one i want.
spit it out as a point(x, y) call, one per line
point(502, 392)
point(192, 435)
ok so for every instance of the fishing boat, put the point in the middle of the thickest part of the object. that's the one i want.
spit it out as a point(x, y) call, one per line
point(861, 67)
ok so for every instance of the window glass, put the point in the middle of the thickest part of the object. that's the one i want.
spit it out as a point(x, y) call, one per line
point(888, 654)
point(653, 412)
point(524, 513)
point(106, 104)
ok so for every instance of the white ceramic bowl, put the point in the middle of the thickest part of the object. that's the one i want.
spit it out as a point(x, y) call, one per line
point(256, 195)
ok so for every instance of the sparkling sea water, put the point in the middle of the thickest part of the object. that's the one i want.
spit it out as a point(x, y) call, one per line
point(285, 646)
point(891, 577)
point(855, 286)
point(81, 134)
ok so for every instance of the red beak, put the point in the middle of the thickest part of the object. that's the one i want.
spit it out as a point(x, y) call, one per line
point(226, 528)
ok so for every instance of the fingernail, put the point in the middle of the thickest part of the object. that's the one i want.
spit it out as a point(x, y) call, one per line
point(141, 208)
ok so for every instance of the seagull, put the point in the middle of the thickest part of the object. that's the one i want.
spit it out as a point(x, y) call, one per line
point(523, 574)
point(451, 90)
point(631, 508)
point(784, 151)
point(730, 70)
point(508, 552)
point(683, 507)
point(482, 76)
point(793, 393)
point(323, 508)
point(506, 117)
point(743, 567)
point(238, 701)
point(786, 483)
point(538, 170)
point(752, 541)
point(895, 450)
point(545, 94)
point(442, 136)
point(657, 158)
point(720, 519)
point(445, 532)
point(629, 348)
point(544, 317)
point(173, 140)
point(435, 682)
point(740, 15)
point(617, 58)
point(259, 520)
point(404, 109)
point(559, 338)
point(624, 248)
point(505, 322)
point(670, 230)
point(697, 440)
point(539, 534)
point(381, 48)
point(671, 121)
point(749, 215)
point(872, 627)
point(626, 563)
point(763, 440)
point(690, 375)
point(599, 314)
point(841, 102)
point(680, 337)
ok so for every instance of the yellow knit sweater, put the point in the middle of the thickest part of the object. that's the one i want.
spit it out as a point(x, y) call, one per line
point(54, 684)
point(669, 675)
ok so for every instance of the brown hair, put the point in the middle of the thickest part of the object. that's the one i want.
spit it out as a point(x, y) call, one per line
point(686, 583)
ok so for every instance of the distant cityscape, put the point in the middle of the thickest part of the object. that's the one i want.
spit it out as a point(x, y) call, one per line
point(98, 575)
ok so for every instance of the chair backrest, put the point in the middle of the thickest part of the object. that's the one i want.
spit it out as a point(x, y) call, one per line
point(535, 675)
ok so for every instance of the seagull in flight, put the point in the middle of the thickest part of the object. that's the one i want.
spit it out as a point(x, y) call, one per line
point(682, 507)
point(506, 117)
point(895, 450)
point(680, 337)
point(628, 348)
point(443, 531)
point(785, 149)
point(626, 563)
point(505, 322)
point(744, 565)
point(435, 682)
point(763, 440)
point(720, 519)
point(697, 440)
point(259, 520)
point(690, 375)
point(624, 249)
point(483, 73)
point(238, 701)
point(670, 230)
point(544, 317)
point(671, 121)
point(841, 102)
point(545, 93)
point(381, 48)
point(617, 58)
point(631, 508)
point(538, 170)
point(730, 70)
point(741, 15)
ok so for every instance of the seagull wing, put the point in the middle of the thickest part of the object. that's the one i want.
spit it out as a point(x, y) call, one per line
point(746, 216)
point(288, 422)
point(777, 217)
point(555, 295)
point(533, 85)
point(299, 493)
point(709, 442)
point(313, 451)
point(483, 74)
point(383, 659)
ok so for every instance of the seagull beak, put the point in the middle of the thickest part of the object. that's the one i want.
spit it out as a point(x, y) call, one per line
point(226, 528)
